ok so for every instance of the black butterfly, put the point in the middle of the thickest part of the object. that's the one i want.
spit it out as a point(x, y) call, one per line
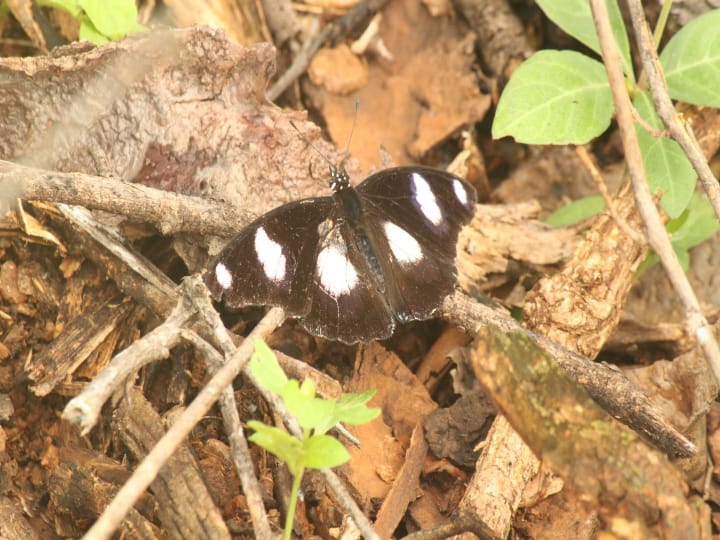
point(350, 265)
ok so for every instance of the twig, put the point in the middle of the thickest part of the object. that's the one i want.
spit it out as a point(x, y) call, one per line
point(238, 444)
point(147, 470)
point(456, 524)
point(340, 26)
point(608, 387)
point(663, 105)
point(84, 409)
point(657, 235)
point(169, 212)
point(582, 153)
point(220, 333)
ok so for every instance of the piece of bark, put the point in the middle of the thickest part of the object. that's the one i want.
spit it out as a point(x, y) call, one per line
point(405, 487)
point(13, 524)
point(605, 466)
point(185, 507)
point(453, 432)
point(580, 306)
point(79, 339)
point(501, 36)
point(182, 110)
point(503, 239)
point(83, 484)
point(683, 390)
point(609, 387)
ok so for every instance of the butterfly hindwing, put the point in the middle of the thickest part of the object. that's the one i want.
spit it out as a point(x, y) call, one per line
point(345, 304)
point(417, 279)
point(271, 261)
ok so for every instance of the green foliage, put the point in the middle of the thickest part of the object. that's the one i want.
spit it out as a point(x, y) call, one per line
point(315, 415)
point(562, 97)
point(576, 211)
point(667, 168)
point(575, 17)
point(695, 225)
point(555, 97)
point(691, 61)
point(100, 20)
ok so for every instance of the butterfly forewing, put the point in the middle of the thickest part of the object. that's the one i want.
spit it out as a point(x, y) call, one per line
point(415, 215)
point(430, 204)
point(272, 260)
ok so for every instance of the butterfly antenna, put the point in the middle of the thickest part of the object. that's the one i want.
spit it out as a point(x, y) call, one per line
point(311, 145)
point(352, 129)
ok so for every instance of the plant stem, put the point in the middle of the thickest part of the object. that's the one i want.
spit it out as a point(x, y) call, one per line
point(290, 518)
point(661, 22)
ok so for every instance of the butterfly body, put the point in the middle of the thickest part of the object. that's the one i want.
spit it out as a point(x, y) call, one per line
point(351, 265)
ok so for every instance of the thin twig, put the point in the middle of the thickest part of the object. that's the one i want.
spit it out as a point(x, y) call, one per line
point(658, 239)
point(664, 106)
point(340, 26)
point(220, 333)
point(582, 153)
point(169, 212)
point(238, 444)
point(148, 469)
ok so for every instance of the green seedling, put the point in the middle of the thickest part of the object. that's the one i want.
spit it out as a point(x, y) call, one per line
point(315, 415)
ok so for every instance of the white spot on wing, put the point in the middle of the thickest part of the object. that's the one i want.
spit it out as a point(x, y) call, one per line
point(223, 276)
point(270, 255)
point(460, 192)
point(337, 275)
point(405, 248)
point(425, 199)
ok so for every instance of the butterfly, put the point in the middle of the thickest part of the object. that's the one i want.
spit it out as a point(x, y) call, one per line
point(351, 265)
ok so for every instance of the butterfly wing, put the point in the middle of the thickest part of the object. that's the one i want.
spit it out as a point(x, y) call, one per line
point(346, 305)
point(414, 216)
point(272, 260)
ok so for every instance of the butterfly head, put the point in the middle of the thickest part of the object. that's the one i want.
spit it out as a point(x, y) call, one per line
point(339, 179)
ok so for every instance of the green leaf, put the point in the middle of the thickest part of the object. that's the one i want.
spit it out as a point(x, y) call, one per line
point(666, 165)
point(555, 97)
point(279, 443)
point(352, 409)
point(576, 211)
point(696, 226)
point(265, 368)
point(309, 411)
point(112, 18)
point(321, 451)
point(70, 6)
point(575, 18)
point(89, 32)
point(691, 61)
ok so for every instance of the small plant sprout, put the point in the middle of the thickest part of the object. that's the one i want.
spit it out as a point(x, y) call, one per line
point(315, 415)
